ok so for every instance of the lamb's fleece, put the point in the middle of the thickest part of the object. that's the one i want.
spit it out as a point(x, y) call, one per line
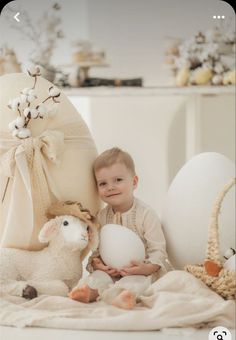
point(55, 269)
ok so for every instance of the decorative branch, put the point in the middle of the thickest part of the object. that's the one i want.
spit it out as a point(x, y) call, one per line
point(23, 106)
point(42, 34)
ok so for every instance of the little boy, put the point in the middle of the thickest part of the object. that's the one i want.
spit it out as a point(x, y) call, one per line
point(116, 181)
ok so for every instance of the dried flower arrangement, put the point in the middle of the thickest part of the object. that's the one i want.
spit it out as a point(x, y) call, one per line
point(205, 59)
point(23, 106)
point(42, 35)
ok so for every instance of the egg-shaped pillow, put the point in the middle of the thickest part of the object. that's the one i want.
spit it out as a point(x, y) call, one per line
point(119, 246)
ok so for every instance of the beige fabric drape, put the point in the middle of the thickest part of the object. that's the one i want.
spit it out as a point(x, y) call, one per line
point(55, 163)
point(176, 300)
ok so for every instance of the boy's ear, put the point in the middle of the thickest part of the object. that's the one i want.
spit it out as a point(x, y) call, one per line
point(135, 181)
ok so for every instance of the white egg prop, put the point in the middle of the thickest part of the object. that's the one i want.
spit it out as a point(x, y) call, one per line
point(188, 206)
point(230, 263)
point(119, 246)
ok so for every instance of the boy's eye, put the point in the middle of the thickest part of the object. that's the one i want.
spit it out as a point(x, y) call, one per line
point(101, 184)
point(119, 179)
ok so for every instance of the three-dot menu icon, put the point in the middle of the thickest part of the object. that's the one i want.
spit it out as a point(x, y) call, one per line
point(218, 16)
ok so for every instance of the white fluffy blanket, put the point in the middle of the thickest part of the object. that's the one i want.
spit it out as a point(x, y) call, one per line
point(176, 300)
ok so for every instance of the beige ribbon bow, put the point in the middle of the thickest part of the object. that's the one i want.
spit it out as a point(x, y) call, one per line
point(24, 161)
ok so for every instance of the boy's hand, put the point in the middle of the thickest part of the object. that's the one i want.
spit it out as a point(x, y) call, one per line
point(139, 268)
point(98, 264)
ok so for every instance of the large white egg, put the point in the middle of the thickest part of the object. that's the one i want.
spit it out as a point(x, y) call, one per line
point(188, 207)
point(119, 246)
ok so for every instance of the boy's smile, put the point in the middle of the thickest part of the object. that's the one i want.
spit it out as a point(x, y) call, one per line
point(116, 185)
point(112, 195)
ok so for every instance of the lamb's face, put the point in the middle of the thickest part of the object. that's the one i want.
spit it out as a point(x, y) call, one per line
point(74, 232)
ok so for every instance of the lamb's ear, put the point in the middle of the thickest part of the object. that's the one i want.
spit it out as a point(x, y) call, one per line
point(49, 230)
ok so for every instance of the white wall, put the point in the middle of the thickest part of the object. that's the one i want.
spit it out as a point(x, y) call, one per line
point(141, 127)
point(155, 131)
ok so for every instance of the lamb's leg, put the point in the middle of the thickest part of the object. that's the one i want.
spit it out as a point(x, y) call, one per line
point(30, 292)
point(17, 288)
point(50, 287)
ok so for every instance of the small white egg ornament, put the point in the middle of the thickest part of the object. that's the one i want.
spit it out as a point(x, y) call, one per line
point(119, 246)
point(230, 263)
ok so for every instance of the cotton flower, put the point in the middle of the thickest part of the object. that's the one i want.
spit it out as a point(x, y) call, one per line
point(54, 92)
point(42, 110)
point(208, 64)
point(229, 37)
point(12, 126)
point(182, 62)
point(203, 56)
point(218, 68)
point(28, 95)
point(217, 79)
point(18, 123)
point(31, 98)
point(26, 90)
point(15, 104)
point(30, 113)
point(23, 98)
point(15, 133)
point(21, 132)
point(34, 71)
point(24, 133)
point(22, 105)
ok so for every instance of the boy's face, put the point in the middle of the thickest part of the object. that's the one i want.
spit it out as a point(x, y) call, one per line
point(116, 185)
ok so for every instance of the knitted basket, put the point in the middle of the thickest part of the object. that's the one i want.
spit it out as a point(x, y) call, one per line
point(211, 272)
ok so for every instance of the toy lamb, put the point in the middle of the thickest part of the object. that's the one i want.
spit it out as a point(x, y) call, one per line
point(71, 233)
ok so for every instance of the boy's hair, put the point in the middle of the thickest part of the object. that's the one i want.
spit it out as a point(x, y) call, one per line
point(112, 156)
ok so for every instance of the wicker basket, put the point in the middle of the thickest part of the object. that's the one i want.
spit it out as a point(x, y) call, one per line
point(212, 273)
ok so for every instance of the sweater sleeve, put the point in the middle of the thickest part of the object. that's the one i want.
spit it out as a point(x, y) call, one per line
point(155, 241)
